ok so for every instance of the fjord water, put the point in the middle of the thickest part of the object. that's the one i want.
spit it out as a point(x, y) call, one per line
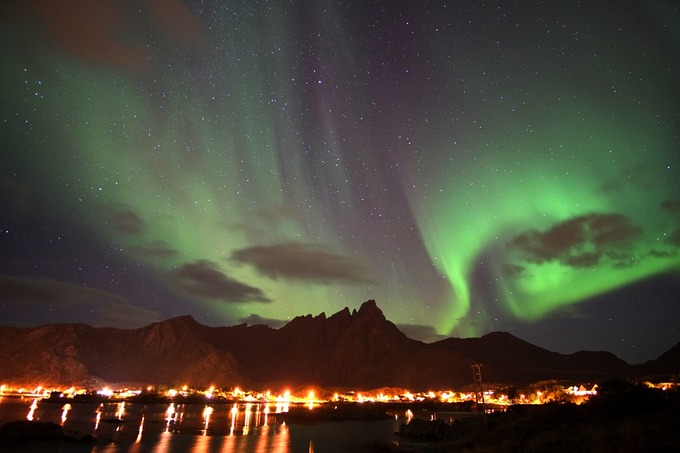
point(140, 428)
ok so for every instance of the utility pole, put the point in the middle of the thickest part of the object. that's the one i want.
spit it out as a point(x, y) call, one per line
point(479, 393)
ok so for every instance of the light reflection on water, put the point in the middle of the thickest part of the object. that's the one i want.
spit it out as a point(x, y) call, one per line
point(64, 414)
point(200, 428)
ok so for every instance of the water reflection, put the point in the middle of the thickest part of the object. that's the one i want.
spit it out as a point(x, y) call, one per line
point(205, 419)
point(170, 416)
point(214, 427)
point(31, 412)
point(207, 412)
point(163, 444)
point(64, 414)
point(141, 429)
point(98, 417)
point(283, 438)
point(120, 412)
point(234, 413)
point(202, 444)
point(246, 420)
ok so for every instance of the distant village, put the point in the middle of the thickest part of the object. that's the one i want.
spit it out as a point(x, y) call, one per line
point(494, 398)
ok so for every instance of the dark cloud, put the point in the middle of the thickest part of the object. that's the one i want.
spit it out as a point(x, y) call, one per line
point(580, 241)
point(642, 176)
point(421, 332)
point(157, 249)
point(100, 31)
point(674, 237)
point(513, 270)
point(308, 262)
point(46, 291)
point(126, 316)
point(243, 228)
point(177, 24)
point(258, 224)
point(255, 320)
point(567, 312)
point(126, 221)
point(583, 260)
point(103, 308)
point(671, 206)
point(610, 229)
point(65, 26)
point(654, 253)
point(278, 213)
point(202, 279)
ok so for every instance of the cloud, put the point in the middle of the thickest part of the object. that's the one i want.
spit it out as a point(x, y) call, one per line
point(202, 279)
point(109, 309)
point(421, 332)
point(126, 221)
point(255, 227)
point(642, 176)
point(672, 206)
point(169, 25)
point(567, 312)
point(585, 259)
point(156, 249)
point(125, 316)
point(278, 213)
point(64, 27)
point(514, 270)
point(255, 320)
point(308, 262)
point(47, 291)
point(674, 237)
point(580, 241)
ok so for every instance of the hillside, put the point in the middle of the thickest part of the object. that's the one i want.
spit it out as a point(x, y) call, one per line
point(358, 349)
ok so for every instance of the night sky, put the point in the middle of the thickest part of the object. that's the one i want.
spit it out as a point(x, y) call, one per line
point(472, 166)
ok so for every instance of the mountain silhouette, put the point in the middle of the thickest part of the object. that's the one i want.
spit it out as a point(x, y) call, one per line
point(351, 349)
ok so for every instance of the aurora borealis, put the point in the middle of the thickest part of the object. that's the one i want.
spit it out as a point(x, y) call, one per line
point(471, 167)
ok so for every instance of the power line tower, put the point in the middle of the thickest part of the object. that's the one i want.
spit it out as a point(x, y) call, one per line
point(479, 393)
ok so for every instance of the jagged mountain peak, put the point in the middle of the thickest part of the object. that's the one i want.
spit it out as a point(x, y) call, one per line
point(343, 314)
point(187, 319)
point(164, 334)
point(369, 309)
point(183, 323)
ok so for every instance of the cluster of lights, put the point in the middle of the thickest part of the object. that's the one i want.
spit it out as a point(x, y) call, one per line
point(35, 392)
point(282, 401)
point(582, 391)
point(119, 394)
point(253, 409)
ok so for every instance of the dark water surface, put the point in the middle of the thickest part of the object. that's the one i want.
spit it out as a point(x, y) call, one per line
point(142, 428)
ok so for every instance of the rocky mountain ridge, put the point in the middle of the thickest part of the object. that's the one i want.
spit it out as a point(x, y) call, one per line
point(351, 349)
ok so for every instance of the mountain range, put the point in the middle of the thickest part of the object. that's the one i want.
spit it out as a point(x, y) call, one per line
point(351, 349)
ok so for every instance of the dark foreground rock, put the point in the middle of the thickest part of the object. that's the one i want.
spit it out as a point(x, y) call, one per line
point(26, 435)
point(623, 417)
point(425, 430)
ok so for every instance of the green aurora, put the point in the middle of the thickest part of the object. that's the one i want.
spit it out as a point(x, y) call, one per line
point(468, 170)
